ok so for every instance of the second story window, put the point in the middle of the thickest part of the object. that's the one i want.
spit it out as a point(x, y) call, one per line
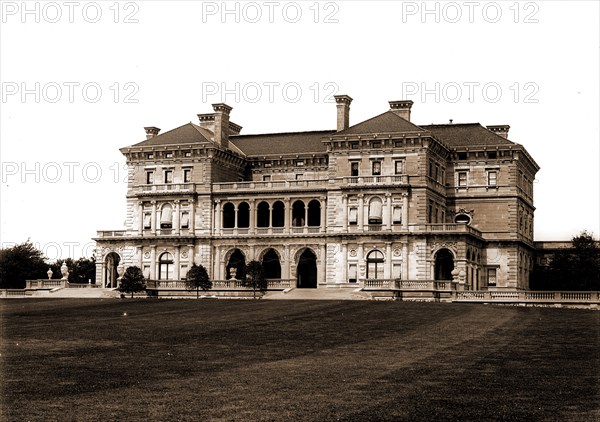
point(149, 177)
point(462, 178)
point(187, 175)
point(353, 216)
point(492, 178)
point(168, 176)
point(354, 169)
point(399, 167)
point(376, 168)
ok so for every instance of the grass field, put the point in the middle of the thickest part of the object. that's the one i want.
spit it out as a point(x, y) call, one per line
point(104, 360)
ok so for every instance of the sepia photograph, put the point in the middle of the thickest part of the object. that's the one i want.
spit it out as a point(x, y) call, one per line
point(299, 210)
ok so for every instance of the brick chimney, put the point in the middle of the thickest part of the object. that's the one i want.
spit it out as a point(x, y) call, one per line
point(222, 111)
point(151, 131)
point(207, 121)
point(501, 130)
point(401, 108)
point(343, 111)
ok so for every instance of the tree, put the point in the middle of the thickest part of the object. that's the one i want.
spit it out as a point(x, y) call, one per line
point(80, 271)
point(255, 277)
point(197, 278)
point(132, 281)
point(20, 263)
point(576, 268)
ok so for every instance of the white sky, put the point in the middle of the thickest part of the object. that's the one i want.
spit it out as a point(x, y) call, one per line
point(62, 172)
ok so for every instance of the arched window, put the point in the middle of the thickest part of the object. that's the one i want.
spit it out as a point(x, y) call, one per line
point(375, 262)
point(243, 215)
point(262, 215)
point(237, 260)
point(444, 264)
point(228, 216)
point(271, 264)
point(278, 219)
point(298, 214)
point(314, 213)
point(166, 217)
point(462, 218)
point(375, 211)
point(165, 267)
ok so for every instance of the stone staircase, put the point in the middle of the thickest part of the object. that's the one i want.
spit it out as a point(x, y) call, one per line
point(83, 293)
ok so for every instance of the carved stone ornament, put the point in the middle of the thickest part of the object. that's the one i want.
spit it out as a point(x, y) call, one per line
point(184, 254)
point(352, 252)
point(147, 254)
point(397, 252)
point(465, 211)
point(443, 245)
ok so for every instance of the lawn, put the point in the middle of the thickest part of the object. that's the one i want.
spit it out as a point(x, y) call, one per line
point(245, 360)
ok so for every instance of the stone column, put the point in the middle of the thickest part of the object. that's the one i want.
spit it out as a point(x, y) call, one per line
point(323, 214)
point(141, 218)
point(190, 256)
point(288, 219)
point(405, 261)
point(153, 263)
point(153, 219)
point(344, 256)
point(387, 269)
point(361, 212)
point(217, 264)
point(252, 204)
point(176, 263)
point(361, 261)
point(405, 211)
point(140, 251)
point(322, 265)
point(287, 262)
point(344, 212)
point(217, 211)
point(177, 217)
point(388, 200)
point(192, 217)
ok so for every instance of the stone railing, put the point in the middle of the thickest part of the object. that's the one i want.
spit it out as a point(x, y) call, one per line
point(274, 284)
point(400, 179)
point(449, 227)
point(270, 185)
point(110, 233)
point(45, 284)
point(164, 188)
point(527, 296)
point(396, 284)
point(13, 293)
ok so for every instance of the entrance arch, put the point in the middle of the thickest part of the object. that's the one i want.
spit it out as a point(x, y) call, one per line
point(111, 262)
point(271, 264)
point(307, 270)
point(444, 264)
point(237, 260)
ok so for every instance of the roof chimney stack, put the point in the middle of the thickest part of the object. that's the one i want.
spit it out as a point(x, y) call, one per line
point(151, 131)
point(222, 111)
point(401, 108)
point(501, 130)
point(343, 111)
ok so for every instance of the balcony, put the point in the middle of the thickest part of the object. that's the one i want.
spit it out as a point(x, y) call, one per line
point(400, 179)
point(275, 185)
point(163, 189)
point(110, 233)
point(444, 228)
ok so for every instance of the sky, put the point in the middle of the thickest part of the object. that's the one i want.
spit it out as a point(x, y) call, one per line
point(79, 80)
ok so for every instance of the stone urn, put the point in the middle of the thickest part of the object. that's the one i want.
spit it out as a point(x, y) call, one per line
point(64, 270)
point(49, 272)
point(232, 273)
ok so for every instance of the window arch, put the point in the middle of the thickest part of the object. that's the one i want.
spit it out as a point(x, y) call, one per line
point(298, 214)
point(237, 260)
point(278, 219)
point(271, 264)
point(228, 216)
point(166, 216)
point(375, 264)
point(375, 211)
point(314, 213)
point(262, 215)
point(243, 215)
point(165, 266)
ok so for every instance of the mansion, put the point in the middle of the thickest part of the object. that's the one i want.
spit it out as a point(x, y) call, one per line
point(384, 199)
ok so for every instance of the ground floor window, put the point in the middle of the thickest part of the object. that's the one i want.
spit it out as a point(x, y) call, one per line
point(165, 267)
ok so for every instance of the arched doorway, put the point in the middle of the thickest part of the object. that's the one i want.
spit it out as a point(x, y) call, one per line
point(307, 270)
point(271, 264)
point(111, 262)
point(165, 266)
point(375, 263)
point(444, 264)
point(237, 260)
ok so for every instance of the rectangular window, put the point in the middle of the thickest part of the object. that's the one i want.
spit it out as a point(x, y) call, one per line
point(399, 167)
point(492, 155)
point(492, 178)
point(462, 155)
point(397, 215)
point(430, 212)
point(185, 220)
point(376, 144)
point(352, 273)
point(299, 163)
point(397, 271)
point(462, 178)
point(491, 276)
point(147, 272)
point(149, 156)
point(437, 173)
point(187, 154)
point(168, 155)
point(266, 178)
point(354, 145)
point(354, 169)
point(353, 216)
point(168, 176)
point(437, 213)
point(299, 176)
point(187, 175)
point(147, 221)
point(149, 177)
point(376, 168)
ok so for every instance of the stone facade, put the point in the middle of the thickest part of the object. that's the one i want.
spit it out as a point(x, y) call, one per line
point(383, 199)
